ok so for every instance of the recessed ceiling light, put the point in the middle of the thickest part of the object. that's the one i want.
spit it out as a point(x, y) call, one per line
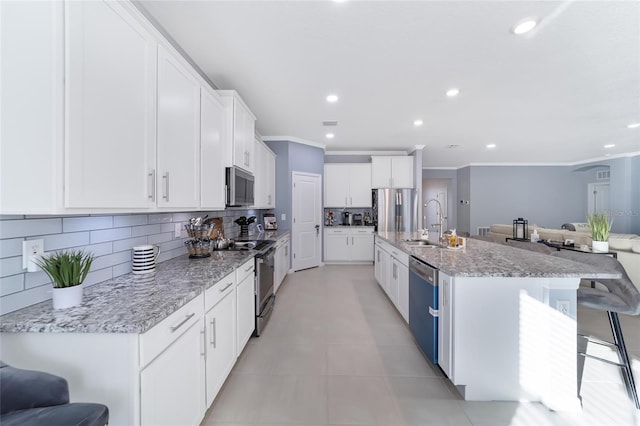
point(524, 27)
point(332, 98)
point(330, 135)
point(611, 145)
point(633, 125)
point(491, 145)
point(417, 123)
point(453, 92)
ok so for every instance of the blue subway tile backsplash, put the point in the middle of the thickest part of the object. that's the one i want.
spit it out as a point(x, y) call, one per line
point(109, 237)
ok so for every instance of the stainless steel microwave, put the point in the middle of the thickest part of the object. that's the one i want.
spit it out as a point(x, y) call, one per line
point(239, 187)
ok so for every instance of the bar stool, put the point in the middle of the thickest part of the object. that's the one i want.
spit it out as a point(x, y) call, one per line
point(621, 296)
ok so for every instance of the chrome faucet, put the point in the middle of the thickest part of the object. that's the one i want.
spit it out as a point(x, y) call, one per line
point(441, 219)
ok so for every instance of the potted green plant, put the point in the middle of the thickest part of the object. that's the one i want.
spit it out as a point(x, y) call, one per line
point(600, 225)
point(67, 270)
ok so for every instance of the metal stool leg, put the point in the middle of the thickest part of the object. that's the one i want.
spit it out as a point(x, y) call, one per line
point(616, 330)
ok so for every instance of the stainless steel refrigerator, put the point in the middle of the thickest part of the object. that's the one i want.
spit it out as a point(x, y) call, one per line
point(395, 210)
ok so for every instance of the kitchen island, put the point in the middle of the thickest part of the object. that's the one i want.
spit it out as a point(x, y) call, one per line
point(507, 325)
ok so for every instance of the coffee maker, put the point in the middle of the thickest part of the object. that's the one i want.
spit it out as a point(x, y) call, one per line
point(346, 218)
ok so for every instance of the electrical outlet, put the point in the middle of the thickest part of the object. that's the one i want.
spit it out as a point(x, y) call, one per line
point(283, 217)
point(563, 306)
point(177, 230)
point(31, 249)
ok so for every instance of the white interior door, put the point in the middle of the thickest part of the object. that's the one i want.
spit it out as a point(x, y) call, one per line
point(598, 199)
point(306, 202)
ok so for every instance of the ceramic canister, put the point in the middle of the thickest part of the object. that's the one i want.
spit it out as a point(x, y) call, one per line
point(144, 258)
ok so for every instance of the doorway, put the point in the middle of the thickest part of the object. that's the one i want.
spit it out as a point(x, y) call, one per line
point(307, 210)
point(598, 198)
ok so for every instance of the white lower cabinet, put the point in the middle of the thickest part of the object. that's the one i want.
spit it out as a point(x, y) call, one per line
point(348, 244)
point(246, 304)
point(392, 273)
point(220, 336)
point(281, 261)
point(172, 384)
point(168, 375)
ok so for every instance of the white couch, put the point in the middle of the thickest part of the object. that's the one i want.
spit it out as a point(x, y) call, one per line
point(627, 246)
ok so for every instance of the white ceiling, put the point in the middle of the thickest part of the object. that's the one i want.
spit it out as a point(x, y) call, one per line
point(555, 95)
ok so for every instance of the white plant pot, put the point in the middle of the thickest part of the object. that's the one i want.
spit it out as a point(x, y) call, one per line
point(67, 297)
point(600, 246)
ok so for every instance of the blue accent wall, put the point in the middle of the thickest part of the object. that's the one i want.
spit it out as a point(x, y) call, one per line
point(547, 196)
point(292, 157)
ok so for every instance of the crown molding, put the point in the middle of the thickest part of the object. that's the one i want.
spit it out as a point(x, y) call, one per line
point(402, 153)
point(295, 140)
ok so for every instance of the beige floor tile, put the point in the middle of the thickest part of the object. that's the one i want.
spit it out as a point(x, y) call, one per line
point(419, 411)
point(405, 360)
point(301, 359)
point(506, 413)
point(354, 359)
point(360, 401)
point(295, 399)
point(392, 334)
point(240, 399)
point(336, 352)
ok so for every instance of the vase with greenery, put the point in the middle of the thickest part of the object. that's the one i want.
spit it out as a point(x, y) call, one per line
point(600, 225)
point(67, 270)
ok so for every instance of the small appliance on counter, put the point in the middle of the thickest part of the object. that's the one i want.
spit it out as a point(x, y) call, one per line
point(357, 219)
point(347, 219)
point(270, 222)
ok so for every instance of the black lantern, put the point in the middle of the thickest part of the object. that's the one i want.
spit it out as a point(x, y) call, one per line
point(520, 229)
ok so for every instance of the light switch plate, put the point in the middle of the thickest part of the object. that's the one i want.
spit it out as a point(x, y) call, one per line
point(177, 230)
point(283, 217)
point(31, 248)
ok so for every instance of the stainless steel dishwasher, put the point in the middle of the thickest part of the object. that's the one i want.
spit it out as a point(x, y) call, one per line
point(423, 306)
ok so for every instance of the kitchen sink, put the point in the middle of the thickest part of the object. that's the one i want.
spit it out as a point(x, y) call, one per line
point(421, 243)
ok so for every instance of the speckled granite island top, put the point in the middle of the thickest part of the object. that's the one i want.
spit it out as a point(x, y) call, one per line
point(130, 303)
point(486, 259)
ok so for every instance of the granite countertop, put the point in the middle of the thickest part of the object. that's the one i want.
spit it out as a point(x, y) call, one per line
point(130, 303)
point(486, 259)
point(134, 303)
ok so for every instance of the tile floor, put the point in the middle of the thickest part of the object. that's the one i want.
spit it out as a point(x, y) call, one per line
point(336, 352)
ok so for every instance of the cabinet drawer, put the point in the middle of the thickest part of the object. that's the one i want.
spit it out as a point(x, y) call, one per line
point(401, 256)
point(156, 340)
point(337, 231)
point(246, 269)
point(219, 290)
point(362, 231)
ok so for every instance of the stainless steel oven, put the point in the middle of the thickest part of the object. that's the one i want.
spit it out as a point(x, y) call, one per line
point(265, 272)
point(265, 297)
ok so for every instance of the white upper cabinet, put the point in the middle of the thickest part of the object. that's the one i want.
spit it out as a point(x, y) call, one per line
point(265, 178)
point(178, 166)
point(392, 172)
point(242, 123)
point(212, 195)
point(110, 94)
point(32, 105)
point(347, 185)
